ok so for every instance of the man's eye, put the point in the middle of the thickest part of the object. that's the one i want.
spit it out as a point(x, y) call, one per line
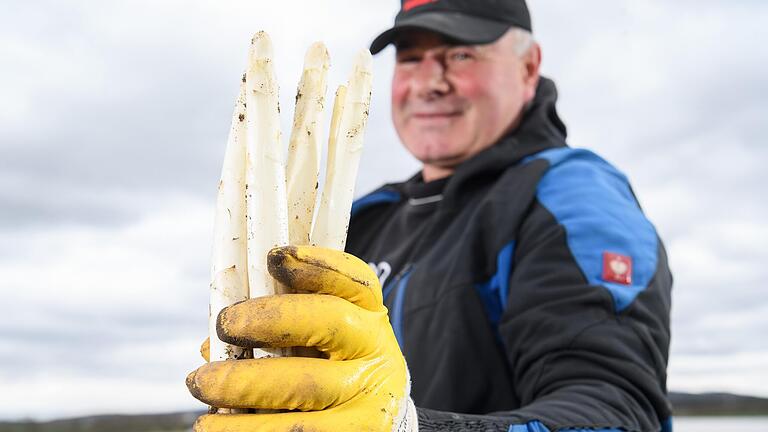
point(460, 56)
point(408, 59)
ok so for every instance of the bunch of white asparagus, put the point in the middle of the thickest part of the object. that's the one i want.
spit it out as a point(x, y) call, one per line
point(263, 203)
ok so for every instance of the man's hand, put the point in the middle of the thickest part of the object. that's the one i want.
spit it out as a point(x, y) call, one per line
point(363, 385)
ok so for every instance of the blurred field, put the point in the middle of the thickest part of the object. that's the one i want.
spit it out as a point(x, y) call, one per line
point(175, 422)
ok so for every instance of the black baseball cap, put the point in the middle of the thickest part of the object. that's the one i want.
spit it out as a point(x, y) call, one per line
point(465, 21)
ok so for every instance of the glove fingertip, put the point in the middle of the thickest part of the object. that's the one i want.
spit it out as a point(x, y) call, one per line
point(192, 386)
point(276, 263)
point(205, 350)
point(223, 325)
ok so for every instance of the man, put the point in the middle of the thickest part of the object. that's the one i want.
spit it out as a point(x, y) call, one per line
point(525, 288)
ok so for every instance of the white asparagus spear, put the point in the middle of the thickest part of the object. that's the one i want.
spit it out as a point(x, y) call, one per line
point(304, 154)
point(229, 280)
point(333, 133)
point(266, 200)
point(304, 146)
point(316, 238)
point(332, 221)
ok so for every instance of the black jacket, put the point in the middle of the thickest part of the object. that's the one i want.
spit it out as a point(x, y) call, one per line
point(528, 285)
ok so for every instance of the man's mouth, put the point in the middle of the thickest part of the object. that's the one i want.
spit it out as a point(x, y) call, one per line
point(435, 115)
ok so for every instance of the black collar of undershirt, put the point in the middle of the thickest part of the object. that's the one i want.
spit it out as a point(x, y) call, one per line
point(416, 188)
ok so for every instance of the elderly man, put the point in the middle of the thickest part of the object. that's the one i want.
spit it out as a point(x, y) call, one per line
point(524, 288)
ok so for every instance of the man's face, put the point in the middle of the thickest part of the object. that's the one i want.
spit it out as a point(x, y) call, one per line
point(449, 102)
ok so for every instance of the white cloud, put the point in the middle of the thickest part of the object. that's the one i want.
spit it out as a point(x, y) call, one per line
point(727, 372)
point(110, 319)
point(124, 267)
point(67, 395)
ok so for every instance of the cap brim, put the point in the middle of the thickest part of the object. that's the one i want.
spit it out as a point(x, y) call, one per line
point(453, 25)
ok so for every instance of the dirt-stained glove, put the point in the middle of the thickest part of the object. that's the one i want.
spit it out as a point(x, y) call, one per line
point(363, 385)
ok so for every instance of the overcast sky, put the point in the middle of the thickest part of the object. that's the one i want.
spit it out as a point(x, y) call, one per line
point(114, 116)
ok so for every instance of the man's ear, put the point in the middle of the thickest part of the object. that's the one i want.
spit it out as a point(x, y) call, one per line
point(531, 64)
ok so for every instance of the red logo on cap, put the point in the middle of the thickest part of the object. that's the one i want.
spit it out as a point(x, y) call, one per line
point(410, 4)
point(617, 268)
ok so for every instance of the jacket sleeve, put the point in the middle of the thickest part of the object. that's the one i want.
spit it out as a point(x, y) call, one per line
point(587, 350)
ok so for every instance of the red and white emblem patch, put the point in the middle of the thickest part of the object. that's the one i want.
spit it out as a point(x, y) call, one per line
point(617, 268)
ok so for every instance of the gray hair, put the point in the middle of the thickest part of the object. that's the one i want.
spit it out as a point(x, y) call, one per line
point(523, 41)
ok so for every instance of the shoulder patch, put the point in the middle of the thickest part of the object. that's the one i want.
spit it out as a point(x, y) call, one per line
point(612, 241)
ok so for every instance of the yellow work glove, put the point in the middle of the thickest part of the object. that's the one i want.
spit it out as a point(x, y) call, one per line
point(363, 385)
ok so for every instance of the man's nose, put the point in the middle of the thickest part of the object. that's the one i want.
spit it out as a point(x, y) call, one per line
point(430, 80)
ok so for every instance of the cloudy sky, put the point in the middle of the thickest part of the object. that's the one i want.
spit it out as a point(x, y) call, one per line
point(114, 116)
